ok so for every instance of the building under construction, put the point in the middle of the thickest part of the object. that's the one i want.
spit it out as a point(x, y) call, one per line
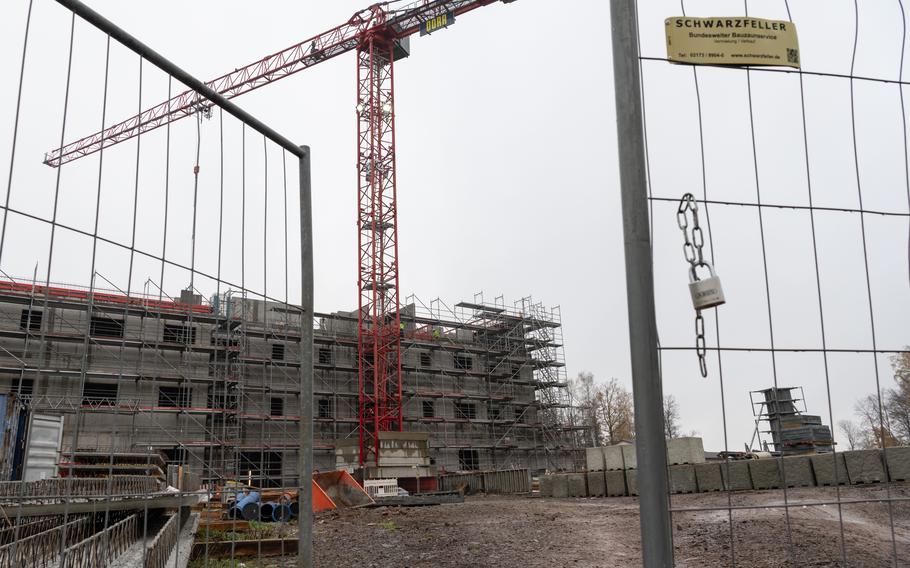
point(213, 383)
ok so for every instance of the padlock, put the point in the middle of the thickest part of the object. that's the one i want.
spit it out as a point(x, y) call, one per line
point(706, 293)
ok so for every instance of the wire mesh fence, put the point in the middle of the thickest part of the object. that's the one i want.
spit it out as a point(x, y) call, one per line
point(798, 181)
point(155, 328)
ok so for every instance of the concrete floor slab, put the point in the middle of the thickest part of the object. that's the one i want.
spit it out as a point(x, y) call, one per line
point(612, 457)
point(682, 479)
point(739, 477)
point(597, 485)
point(560, 485)
point(798, 472)
point(765, 473)
point(631, 479)
point(594, 458)
point(546, 485)
point(709, 476)
point(629, 457)
point(685, 450)
point(864, 466)
point(578, 484)
point(897, 462)
point(829, 469)
point(616, 483)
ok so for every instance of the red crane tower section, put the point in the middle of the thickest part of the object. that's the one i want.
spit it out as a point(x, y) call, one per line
point(380, 35)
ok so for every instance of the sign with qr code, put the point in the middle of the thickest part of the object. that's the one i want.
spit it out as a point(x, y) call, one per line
point(732, 41)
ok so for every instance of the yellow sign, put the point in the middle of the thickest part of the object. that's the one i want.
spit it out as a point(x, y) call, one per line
point(732, 41)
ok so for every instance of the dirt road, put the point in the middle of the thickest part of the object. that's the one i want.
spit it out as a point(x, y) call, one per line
point(589, 533)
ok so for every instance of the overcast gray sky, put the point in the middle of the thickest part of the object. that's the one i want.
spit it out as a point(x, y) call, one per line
point(507, 175)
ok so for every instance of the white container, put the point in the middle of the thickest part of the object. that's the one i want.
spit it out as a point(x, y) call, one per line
point(42, 450)
point(381, 487)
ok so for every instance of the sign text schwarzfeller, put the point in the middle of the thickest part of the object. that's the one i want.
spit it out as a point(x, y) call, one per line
point(732, 41)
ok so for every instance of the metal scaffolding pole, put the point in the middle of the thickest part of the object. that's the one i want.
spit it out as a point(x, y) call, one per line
point(656, 536)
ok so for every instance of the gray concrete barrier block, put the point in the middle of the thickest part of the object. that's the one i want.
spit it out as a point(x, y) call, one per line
point(560, 485)
point(685, 450)
point(597, 485)
point(798, 472)
point(546, 485)
point(578, 485)
point(612, 457)
point(682, 479)
point(595, 459)
point(739, 476)
point(631, 476)
point(829, 469)
point(765, 473)
point(709, 477)
point(897, 461)
point(629, 457)
point(616, 483)
point(864, 466)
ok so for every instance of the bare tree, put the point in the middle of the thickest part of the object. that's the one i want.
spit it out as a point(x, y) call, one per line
point(851, 433)
point(875, 425)
point(615, 412)
point(587, 393)
point(671, 417)
point(897, 401)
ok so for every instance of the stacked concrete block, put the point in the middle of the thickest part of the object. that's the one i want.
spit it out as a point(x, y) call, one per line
point(560, 485)
point(616, 483)
point(629, 457)
point(685, 450)
point(578, 484)
point(597, 485)
point(829, 469)
point(739, 477)
point(631, 481)
point(709, 476)
point(613, 458)
point(595, 459)
point(897, 462)
point(798, 471)
point(546, 485)
point(682, 479)
point(864, 466)
point(765, 473)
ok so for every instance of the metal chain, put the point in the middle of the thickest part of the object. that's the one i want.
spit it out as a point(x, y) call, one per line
point(693, 251)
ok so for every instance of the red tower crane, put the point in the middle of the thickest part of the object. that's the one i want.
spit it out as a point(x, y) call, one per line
point(380, 35)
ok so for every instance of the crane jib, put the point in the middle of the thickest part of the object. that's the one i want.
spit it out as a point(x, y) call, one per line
point(437, 22)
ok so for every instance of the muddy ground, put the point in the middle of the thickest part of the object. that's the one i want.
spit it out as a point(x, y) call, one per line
point(536, 533)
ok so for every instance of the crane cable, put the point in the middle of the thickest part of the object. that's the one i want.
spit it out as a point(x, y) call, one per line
point(199, 116)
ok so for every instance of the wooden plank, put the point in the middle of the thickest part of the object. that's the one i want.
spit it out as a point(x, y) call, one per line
point(219, 525)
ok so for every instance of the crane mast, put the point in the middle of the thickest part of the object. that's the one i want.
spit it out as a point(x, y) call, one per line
point(379, 35)
point(378, 329)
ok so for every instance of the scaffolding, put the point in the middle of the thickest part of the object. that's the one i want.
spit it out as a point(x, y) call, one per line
point(195, 380)
point(212, 384)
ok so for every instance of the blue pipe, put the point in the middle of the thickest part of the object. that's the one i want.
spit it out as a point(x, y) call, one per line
point(281, 513)
point(266, 510)
point(242, 507)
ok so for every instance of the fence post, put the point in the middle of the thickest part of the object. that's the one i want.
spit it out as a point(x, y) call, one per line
point(305, 493)
point(653, 488)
